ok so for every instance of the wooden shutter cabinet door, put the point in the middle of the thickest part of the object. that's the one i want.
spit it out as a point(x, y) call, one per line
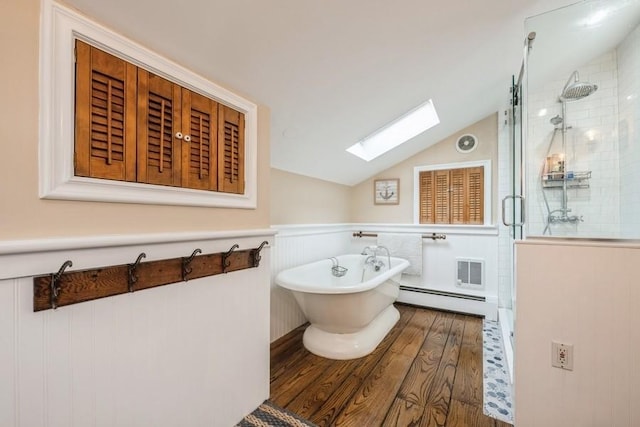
point(230, 150)
point(427, 197)
point(475, 195)
point(159, 108)
point(457, 195)
point(105, 131)
point(442, 197)
point(199, 155)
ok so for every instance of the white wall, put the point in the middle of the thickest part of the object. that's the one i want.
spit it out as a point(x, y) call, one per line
point(193, 354)
point(567, 292)
point(297, 199)
point(439, 264)
point(439, 267)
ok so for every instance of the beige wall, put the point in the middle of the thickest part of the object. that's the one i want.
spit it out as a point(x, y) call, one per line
point(586, 295)
point(297, 199)
point(363, 208)
point(24, 215)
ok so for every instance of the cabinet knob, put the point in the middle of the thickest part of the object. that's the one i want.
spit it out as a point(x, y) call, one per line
point(187, 138)
point(179, 135)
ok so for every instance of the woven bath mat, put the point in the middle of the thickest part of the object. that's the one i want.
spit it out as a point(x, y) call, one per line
point(270, 415)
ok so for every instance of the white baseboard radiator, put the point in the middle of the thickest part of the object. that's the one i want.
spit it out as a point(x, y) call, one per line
point(442, 293)
point(451, 301)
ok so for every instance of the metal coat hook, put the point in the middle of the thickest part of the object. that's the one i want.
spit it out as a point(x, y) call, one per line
point(225, 262)
point(186, 270)
point(255, 254)
point(131, 269)
point(55, 287)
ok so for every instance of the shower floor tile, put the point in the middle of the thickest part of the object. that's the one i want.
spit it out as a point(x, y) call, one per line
point(498, 401)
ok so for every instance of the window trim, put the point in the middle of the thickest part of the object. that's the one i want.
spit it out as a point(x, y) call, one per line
point(486, 164)
point(60, 28)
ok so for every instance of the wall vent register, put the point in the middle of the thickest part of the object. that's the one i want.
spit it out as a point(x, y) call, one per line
point(470, 273)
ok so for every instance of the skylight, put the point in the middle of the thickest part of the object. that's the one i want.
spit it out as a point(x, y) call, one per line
point(401, 130)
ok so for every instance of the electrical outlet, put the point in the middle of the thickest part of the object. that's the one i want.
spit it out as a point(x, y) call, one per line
point(562, 355)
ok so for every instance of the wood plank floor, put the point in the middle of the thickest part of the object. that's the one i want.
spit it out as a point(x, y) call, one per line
point(427, 372)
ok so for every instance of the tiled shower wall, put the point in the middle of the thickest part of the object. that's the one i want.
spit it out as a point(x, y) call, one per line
point(591, 145)
point(628, 53)
point(604, 138)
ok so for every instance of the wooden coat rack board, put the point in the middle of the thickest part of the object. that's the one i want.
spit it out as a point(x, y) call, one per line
point(59, 289)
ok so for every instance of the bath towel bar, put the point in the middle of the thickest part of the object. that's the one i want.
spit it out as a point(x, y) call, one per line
point(432, 236)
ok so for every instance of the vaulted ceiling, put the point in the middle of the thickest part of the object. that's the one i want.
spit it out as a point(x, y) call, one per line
point(334, 71)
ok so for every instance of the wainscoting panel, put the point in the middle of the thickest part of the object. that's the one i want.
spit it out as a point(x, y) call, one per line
point(8, 350)
point(194, 353)
point(296, 245)
point(439, 265)
point(585, 294)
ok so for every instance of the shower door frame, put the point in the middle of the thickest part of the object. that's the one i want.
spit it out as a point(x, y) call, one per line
point(515, 201)
point(513, 213)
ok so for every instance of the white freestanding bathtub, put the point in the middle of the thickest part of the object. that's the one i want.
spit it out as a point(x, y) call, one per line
point(349, 315)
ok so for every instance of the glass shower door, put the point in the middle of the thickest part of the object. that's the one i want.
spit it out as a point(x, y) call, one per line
point(513, 213)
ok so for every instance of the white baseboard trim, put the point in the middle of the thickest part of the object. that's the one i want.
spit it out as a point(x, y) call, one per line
point(310, 229)
point(50, 244)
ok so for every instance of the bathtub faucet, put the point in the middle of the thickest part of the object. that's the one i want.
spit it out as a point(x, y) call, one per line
point(373, 260)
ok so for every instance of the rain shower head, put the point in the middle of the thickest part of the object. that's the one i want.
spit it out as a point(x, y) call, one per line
point(576, 90)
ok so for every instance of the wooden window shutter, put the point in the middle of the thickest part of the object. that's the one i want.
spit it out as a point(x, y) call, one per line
point(199, 155)
point(475, 195)
point(453, 196)
point(230, 150)
point(457, 195)
point(427, 194)
point(105, 131)
point(159, 108)
point(441, 209)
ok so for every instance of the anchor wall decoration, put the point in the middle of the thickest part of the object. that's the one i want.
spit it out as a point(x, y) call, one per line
point(386, 191)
